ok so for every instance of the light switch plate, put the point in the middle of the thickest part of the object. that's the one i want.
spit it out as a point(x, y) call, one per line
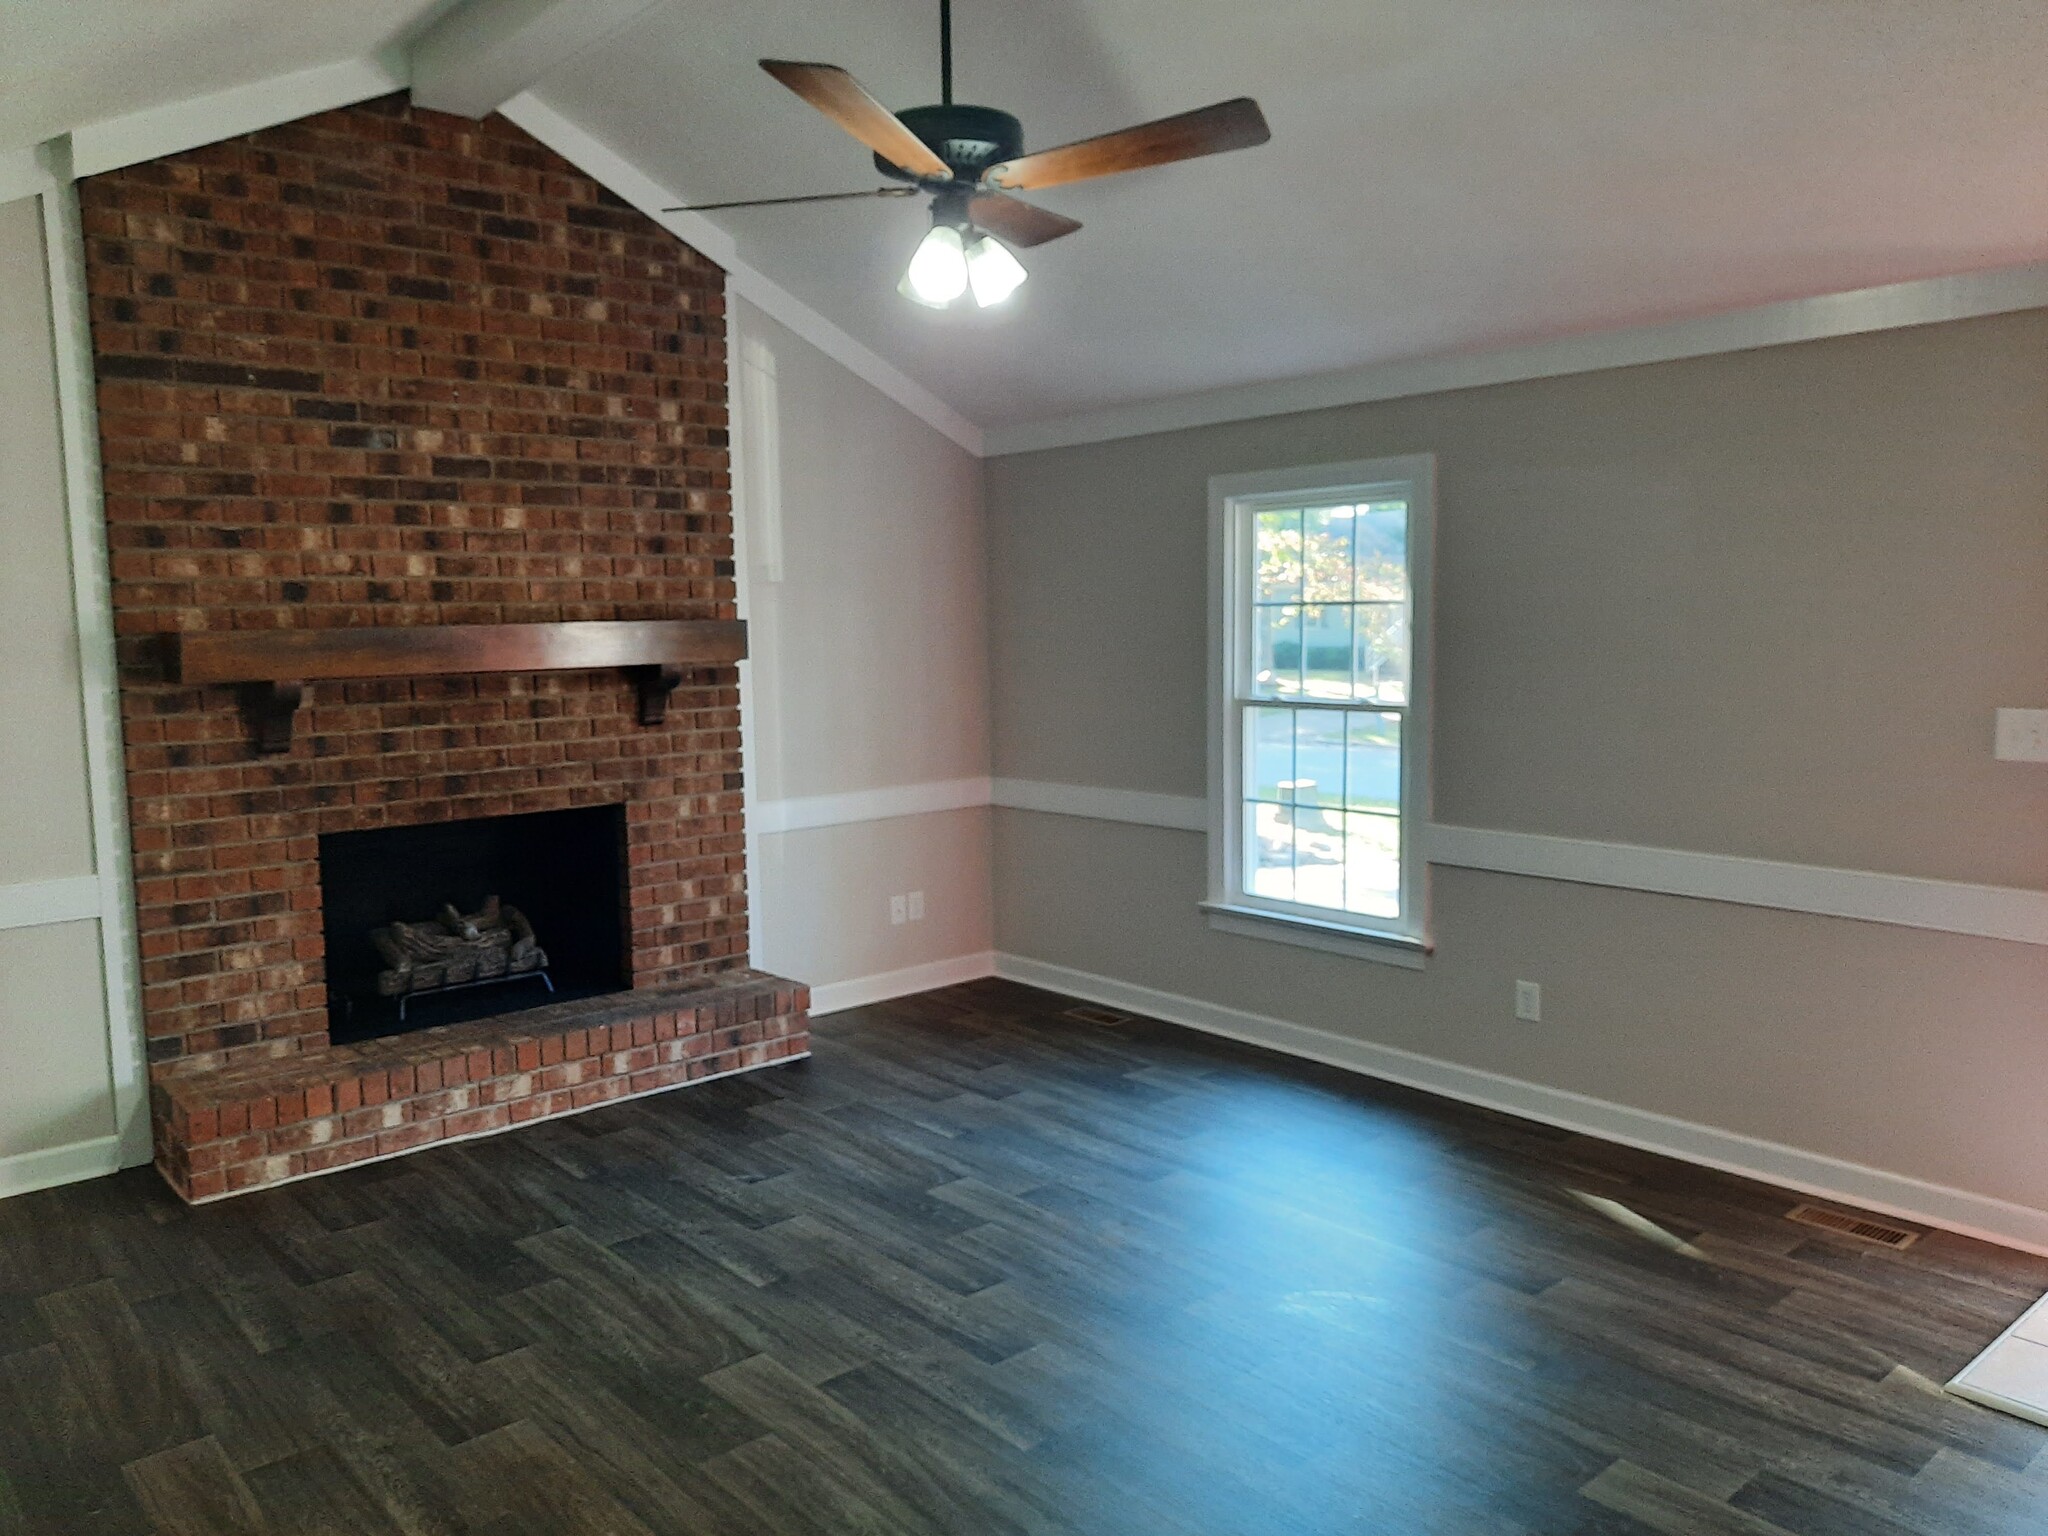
point(2021, 736)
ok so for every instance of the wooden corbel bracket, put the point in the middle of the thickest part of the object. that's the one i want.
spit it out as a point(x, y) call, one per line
point(272, 708)
point(276, 664)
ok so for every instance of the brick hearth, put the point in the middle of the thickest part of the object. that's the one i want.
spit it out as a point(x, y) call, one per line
point(240, 1128)
point(386, 367)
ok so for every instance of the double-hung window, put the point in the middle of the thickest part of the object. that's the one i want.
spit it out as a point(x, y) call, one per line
point(1319, 769)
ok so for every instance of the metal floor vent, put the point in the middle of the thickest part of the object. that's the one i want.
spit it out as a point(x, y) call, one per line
point(1861, 1227)
point(1088, 1013)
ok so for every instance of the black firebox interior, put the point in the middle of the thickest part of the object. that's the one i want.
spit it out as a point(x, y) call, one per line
point(564, 869)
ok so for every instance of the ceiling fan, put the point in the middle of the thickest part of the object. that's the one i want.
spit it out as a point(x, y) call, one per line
point(969, 160)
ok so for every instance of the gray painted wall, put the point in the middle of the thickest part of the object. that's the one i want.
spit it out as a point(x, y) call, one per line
point(1759, 604)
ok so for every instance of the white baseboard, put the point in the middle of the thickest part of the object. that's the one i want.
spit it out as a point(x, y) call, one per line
point(27, 1171)
point(836, 996)
point(1811, 1173)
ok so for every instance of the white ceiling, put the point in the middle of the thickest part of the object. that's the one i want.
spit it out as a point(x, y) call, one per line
point(1444, 176)
point(64, 63)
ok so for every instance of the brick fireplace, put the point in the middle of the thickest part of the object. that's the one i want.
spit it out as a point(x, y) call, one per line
point(384, 369)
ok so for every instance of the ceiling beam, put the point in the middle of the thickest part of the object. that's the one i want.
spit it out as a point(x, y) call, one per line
point(480, 55)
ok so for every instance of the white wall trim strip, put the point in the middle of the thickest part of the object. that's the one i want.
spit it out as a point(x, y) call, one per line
point(1183, 813)
point(38, 903)
point(26, 1172)
point(859, 991)
point(1895, 305)
point(93, 606)
point(1907, 901)
point(1811, 1173)
point(181, 125)
point(805, 811)
point(584, 149)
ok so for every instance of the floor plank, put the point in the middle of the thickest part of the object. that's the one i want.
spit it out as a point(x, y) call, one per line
point(980, 1268)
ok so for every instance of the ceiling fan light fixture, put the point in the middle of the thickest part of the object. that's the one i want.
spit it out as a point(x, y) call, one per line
point(937, 274)
point(992, 271)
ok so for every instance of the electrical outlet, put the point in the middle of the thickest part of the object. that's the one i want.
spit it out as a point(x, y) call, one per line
point(899, 909)
point(2021, 736)
point(917, 906)
point(1529, 1001)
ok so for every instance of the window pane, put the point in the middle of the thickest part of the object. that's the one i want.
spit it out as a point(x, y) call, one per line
point(1372, 769)
point(1319, 757)
point(1326, 651)
point(1326, 555)
point(1278, 536)
point(1372, 865)
point(1276, 653)
point(1271, 734)
point(1269, 850)
point(1381, 652)
point(1382, 550)
point(1319, 857)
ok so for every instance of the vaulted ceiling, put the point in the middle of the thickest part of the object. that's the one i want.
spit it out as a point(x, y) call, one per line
point(1444, 175)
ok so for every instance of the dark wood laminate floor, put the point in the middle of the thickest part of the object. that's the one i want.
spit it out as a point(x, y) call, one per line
point(979, 1268)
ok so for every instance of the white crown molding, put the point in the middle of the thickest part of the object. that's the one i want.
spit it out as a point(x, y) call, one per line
point(858, 992)
point(803, 812)
point(617, 171)
point(38, 903)
point(1906, 901)
point(181, 125)
point(1811, 1173)
point(1924, 301)
point(25, 1172)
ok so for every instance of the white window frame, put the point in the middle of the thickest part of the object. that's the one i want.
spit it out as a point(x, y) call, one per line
point(1233, 500)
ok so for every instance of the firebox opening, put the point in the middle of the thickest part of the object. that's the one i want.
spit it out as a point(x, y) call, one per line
point(459, 920)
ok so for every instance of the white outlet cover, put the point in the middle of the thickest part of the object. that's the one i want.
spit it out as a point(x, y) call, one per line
point(898, 909)
point(1529, 1001)
point(2021, 736)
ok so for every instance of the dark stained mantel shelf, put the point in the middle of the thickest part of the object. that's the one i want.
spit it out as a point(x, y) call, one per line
point(278, 663)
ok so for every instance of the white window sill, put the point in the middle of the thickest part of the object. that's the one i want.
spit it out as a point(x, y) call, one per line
point(1332, 938)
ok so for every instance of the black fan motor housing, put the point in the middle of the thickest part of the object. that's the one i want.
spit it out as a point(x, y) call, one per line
point(969, 139)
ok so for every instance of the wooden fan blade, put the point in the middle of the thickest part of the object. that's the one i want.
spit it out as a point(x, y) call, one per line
point(1019, 223)
point(1236, 124)
point(839, 96)
point(808, 197)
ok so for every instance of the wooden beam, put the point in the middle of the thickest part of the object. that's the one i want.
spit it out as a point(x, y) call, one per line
point(484, 52)
point(275, 664)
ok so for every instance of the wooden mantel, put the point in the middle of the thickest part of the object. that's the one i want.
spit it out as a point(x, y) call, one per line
point(278, 663)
